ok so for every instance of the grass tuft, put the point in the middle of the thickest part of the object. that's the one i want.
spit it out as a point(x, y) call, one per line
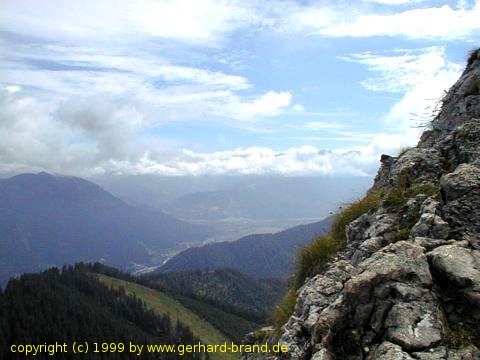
point(461, 336)
point(311, 259)
point(284, 310)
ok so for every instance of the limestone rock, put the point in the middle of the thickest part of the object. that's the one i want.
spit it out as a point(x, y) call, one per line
point(429, 243)
point(468, 353)
point(415, 325)
point(439, 353)
point(323, 354)
point(389, 351)
point(461, 267)
point(430, 225)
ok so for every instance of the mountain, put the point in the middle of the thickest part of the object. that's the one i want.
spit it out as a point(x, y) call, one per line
point(236, 206)
point(50, 220)
point(398, 274)
point(72, 305)
point(228, 289)
point(261, 256)
point(269, 197)
point(247, 196)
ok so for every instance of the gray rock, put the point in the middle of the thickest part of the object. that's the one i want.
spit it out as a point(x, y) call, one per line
point(389, 351)
point(467, 353)
point(322, 355)
point(430, 225)
point(439, 353)
point(415, 325)
point(418, 165)
point(430, 206)
point(367, 248)
point(461, 182)
point(382, 225)
point(461, 190)
point(429, 243)
point(461, 266)
point(461, 103)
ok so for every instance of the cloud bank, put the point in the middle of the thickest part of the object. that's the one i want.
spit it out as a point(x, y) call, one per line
point(87, 87)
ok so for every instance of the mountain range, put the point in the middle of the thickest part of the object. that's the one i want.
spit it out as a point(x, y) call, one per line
point(260, 255)
point(48, 220)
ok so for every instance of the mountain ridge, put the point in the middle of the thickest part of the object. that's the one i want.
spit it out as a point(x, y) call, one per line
point(50, 220)
point(258, 255)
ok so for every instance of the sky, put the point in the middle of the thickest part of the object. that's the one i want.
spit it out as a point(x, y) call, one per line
point(204, 87)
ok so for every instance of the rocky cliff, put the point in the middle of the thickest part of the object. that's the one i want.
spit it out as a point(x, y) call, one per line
point(407, 285)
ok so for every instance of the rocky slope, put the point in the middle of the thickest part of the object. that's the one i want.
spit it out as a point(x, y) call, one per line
point(407, 286)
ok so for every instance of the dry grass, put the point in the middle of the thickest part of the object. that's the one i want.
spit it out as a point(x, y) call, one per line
point(312, 258)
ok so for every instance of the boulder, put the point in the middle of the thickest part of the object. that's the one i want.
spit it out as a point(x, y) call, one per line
point(461, 190)
point(460, 267)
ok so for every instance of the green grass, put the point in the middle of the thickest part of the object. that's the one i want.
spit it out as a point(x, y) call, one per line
point(398, 196)
point(312, 258)
point(462, 336)
point(160, 303)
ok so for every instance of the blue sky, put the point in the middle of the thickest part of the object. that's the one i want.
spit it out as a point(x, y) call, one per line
point(223, 87)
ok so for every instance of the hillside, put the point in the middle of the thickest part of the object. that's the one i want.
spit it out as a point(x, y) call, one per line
point(227, 289)
point(261, 256)
point(225, 322)
point(50, 220)
point(398, 275)
point(67, 306)
point(161, 304)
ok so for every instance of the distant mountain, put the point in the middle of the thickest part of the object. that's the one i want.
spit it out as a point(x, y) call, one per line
point(261, 256)
point(247, 197)
point(227, 289)
point(52, 220)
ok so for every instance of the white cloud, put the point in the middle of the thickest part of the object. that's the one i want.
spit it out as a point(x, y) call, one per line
point(269, 104)
point(99, 135)
point(304, 160)
point(444, 22)
point(421, 76)
point(203, 22)
point(395, 2)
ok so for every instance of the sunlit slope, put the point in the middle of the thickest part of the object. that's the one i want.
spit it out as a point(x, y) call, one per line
point(160, 303)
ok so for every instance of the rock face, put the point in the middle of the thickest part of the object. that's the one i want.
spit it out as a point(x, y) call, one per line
point(407, 286)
